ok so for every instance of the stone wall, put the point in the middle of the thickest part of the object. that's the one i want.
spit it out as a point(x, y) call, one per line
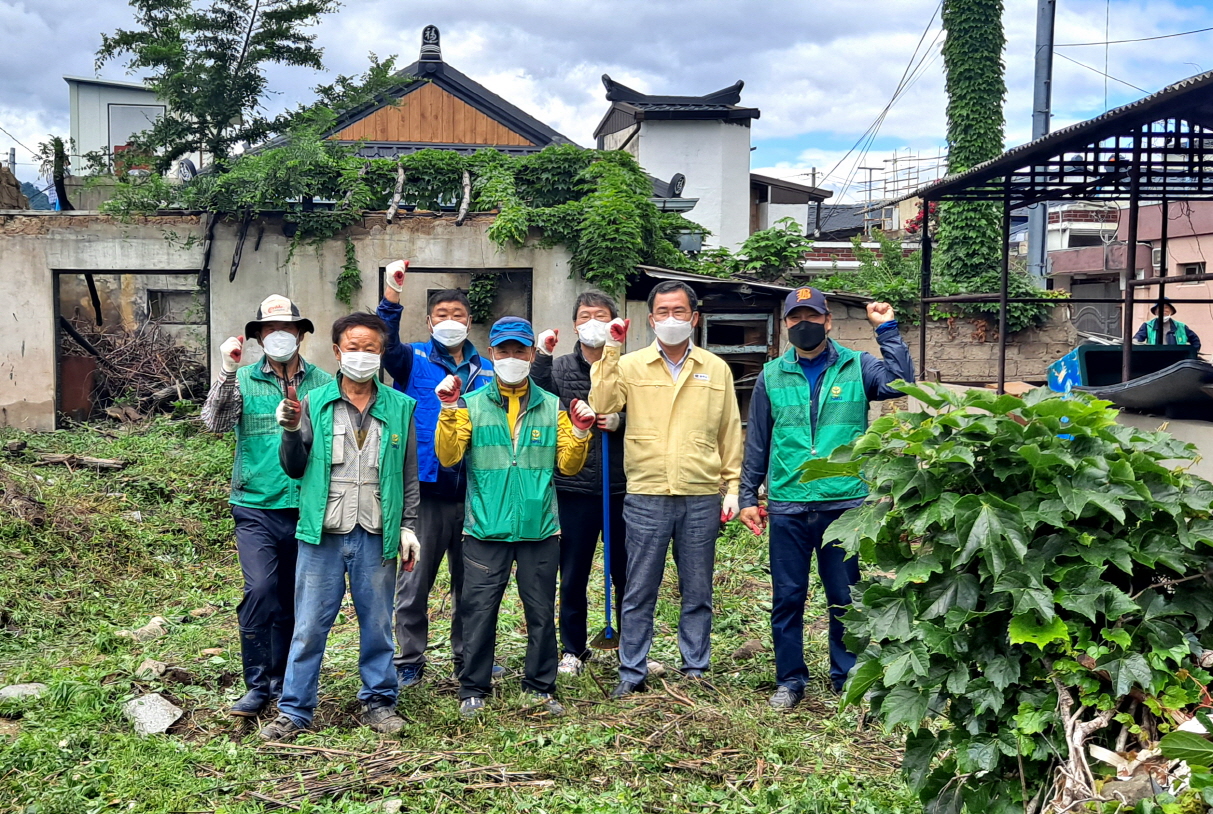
point(965, 351)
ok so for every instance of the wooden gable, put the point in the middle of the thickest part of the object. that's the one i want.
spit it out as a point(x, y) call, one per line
point(431, 115)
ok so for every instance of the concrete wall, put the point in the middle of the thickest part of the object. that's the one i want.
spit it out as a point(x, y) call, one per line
point(35, 245)
point(966, 351)
point(715, 158)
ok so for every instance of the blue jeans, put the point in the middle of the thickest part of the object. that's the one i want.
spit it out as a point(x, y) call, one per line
point(794, 538)
point(692, 522)
point(319, 589)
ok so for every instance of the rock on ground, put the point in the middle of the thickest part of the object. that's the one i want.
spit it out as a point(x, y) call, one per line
point(16, 692)
point(151, 714)
point(149, 669)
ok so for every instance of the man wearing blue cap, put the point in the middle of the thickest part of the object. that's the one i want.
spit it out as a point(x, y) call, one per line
point(514, 437)
point(806, 403)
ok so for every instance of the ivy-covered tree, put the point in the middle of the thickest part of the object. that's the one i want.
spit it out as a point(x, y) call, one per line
point(206, 60)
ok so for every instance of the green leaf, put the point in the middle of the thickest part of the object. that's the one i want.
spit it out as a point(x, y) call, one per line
point(893, 620)
point(917, 570)
point(1025, 629)
point(1187, 746)
point(1127, 671)
point(1027, 591)
point(1002, 671)
point(867, 673)
point(904, 704)
point(818, 468)
point(856, 525)
point(921, 747)
point(958, 591)
point(985, 696)
point(994, 522)
point(905, 660)
point(1118, 635)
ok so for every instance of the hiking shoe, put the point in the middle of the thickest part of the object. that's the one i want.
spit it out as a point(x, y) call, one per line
point(549, 703)
point(410, 674)
point(471, 707)
point(656, 668)
point(785, 699)
point(692, 673)
point(251, 704)
point(570, 665)
point(381, 717)
point(281, 729)
point(626, 688)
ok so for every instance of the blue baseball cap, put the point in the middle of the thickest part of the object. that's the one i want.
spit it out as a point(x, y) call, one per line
point(511, 328)
point(806, 297)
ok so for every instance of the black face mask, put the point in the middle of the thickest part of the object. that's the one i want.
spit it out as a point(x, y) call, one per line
point(807, 335)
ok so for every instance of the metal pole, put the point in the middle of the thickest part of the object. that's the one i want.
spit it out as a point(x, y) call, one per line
point(1038, 215)
point(924, 307)
point(1127, 275)
point(1003, 293)
point(1160, 337)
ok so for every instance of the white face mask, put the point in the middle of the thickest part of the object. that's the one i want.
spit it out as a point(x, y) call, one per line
point(449, 333)
point(511, 370)
point(593, 334)
point(359, 366)
point(280, 345)
point(672, 331)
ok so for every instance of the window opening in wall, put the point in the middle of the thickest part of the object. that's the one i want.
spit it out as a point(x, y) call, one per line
point(1192, 268)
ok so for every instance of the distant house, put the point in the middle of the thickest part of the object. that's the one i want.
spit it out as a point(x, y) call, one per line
point(106, 113)
point(773, 199)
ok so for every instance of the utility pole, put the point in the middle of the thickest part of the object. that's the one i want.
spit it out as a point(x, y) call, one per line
point(1038, 215)
point(12, 160)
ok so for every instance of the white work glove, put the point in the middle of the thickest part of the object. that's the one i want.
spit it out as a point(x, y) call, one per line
point(230, 352)
point(582, 416)
point(448, 391)
point(410, 549)
point(729, 510)
point(289, 412)
point(617, 331)
point(546, 343)
point(608, 422)
point(393, 275)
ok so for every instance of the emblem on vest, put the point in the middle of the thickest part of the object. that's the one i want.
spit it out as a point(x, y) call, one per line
point(535, 436)
point(395, 440)
point(835, 393)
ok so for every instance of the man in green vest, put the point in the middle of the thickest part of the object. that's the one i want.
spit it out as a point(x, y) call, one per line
point(353, 445)
point(806, 403)
point(514, 436)
point(1174, 331)
point(265, 502)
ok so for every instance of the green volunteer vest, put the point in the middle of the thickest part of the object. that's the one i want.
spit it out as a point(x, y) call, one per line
point(510, 495)
point(842, 416)
point(1181, 332)
point(258, 481)
point(395, 410)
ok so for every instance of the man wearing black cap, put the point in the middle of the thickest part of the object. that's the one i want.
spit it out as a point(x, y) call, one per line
point(265, 502)
point(806, 403)
point(1174, 331)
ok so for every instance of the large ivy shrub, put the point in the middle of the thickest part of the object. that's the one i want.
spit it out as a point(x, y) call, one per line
point(1042, 583)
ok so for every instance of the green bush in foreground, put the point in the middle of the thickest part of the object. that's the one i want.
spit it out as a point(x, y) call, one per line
point(1047, 589)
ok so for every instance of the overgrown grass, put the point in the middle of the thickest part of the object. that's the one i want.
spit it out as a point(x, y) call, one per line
point(155, 539)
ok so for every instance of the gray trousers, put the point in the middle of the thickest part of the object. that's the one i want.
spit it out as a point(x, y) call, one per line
point(488, 567)
point(693, 523)
point(440, 532)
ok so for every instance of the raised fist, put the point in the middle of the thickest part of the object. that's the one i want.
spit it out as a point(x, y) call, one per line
point(617, 332)
point(393, 275)
point(448, 390)
point(582, 416)
point(290, 411)
point(230, 352)
point(546, 343)
point(879, 313)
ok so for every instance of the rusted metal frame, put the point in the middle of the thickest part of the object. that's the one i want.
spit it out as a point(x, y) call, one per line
point(1178, 278)
point(1004, 293)
point(1126, 355)
point(978, 298)
point(1160, 338)
point(924, 307)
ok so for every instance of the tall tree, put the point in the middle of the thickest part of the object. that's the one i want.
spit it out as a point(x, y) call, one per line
point(206, 60)
point(970, 243)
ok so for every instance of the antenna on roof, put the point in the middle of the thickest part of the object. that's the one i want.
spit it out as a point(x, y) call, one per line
point(430, 49)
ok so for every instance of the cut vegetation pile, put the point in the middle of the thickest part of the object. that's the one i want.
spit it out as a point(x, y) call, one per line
point(92, 553)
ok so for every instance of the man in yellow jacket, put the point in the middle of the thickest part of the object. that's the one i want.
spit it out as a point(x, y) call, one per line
point(683, 440)
point(513, 436)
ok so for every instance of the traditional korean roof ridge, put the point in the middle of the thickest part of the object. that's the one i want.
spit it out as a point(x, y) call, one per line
point(629, 105)
point(723, 98)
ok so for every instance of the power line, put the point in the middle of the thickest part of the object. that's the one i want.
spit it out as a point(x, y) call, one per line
point(1101, 73)
point(22, 146)
point(1138, 39)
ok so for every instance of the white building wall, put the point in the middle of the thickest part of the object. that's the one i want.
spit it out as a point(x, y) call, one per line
point(90, 112)
point(797, 212)
point(715, 158)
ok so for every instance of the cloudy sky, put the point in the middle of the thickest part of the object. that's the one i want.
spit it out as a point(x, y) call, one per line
point(820, 71)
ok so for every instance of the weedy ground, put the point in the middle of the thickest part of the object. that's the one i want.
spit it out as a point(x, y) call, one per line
point(85, 554)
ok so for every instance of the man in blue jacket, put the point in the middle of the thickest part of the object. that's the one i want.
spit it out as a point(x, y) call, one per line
point(417, 368)
point(806, 403)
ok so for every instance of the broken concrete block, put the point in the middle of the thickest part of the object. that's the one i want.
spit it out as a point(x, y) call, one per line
point(392, 806)
point(151, 714)
point(150, 669)
point(17, 692)
point(157, 627)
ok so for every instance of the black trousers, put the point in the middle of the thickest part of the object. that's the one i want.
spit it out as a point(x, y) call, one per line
point(580, 530)
point(266, 544)
point(486, 572)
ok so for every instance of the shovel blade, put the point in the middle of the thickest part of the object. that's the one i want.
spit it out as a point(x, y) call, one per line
point(606, 640)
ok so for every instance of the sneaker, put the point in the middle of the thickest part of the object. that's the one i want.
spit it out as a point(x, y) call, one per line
point(626, 688)
point(382, 718)
point(570, 665)
point(656, 668)
point(470, 707)
point(785, 699)
point(692, 673)
point(410, 674)
point(281, 729)
point(548, 702)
